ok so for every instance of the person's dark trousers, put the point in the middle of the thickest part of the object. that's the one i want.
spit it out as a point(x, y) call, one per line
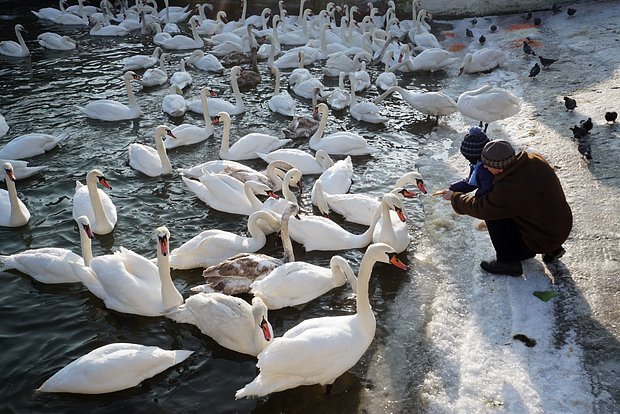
point(507, 241)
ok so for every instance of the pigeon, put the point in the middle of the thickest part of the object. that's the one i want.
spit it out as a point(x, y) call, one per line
point(482, 39)
point(570, 11)
point(585, 149)
point(527, 49)
point(556, 9)
point(579, 133)
point(586, 124)
point(535, 70)
point(611, 116)
point(570, 103)
point(546, 62)
point(473, 22)
point(528, 16)
point(537, 21)
point(493, 28)
point(469, 33)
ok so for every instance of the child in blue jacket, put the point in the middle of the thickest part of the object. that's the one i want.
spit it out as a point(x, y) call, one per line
point(479, 179)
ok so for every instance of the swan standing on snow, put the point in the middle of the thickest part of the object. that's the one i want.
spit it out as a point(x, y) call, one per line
point(156, 76)
point(303, 161)
point(21, 169)
point(247, 146)
point(296, 283)
point(130, 283)
point(217, 105)
point(430, 103)
point(429, 60)
point(12, 48)
point(109, 110)
point(152, 162)
point(52, 264)
point(174, 103)
point(30, 145)
point(225, 193)
point(55, 41)
point(182, 42)
point(212, 246)
point(13, 212)
point(487, 104)
point(137, 62)
point(483, 60)
point(280, 102)
point(342, 143)
point(113, 367)
point(92, 202)
point(205, 61)
point(319, 350)
point(230, 321)
point(188, 134)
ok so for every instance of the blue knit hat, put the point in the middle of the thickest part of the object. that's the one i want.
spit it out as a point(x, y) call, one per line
point(473, 143)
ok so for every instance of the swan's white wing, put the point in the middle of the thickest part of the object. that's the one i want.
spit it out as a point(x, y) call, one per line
point(145, 159)
point(46, 265)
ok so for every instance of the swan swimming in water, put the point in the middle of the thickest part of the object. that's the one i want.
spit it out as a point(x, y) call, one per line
point(113, 367)
point(92, 202)
point(150, 161)
point(319, 350)
point(137, 62)
point(30, 145)
point(21, 169)
point(12, 48)
point(52, 264)
point(109, 110)
point(217, 105)
point(55, 41)
point(13, 212)
point(188, 134)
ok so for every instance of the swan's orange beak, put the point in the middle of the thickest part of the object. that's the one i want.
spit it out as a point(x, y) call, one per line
point(421, 186)
point(104, 183)
point(400, 213)
point(264, 326)
point(137, 77)
point(396, 261)
point(272, 194)
point(407, 194)
point(213, 94)
point(163, 245)
point(215, 121)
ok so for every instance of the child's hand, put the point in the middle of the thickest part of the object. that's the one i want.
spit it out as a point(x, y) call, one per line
point(440, 192)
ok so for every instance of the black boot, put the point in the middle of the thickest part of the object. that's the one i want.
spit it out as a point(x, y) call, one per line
point(502, 268)
point(554, 255)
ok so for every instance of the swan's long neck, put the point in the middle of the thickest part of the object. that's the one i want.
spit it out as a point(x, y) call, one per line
point(276, 89)
point(287, 193)
point(170, 296)
point(387, 229)
point(367, 235)
point(95, 201)
point(20, 39)
point(321, 130)
point(225, 145)
point(237, 93)
point(258, 234)
point(205, 112)
point(195, 34)
point(352, 82)
point(166, 166)
point(86, 245)
point(324, 40)
point(340, 266)
point(243, 12)
point(17, 215)
point(364, 310)
point(287, 245)
point(130, 95)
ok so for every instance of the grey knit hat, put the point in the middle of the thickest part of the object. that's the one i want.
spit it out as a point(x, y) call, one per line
point(498, 154)
point(473, 143)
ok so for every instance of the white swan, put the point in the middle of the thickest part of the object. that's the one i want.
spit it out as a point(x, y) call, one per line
point(311, 88)
point(364, 110)
point(30, 145)
point(307, 163)
point(487, 104)
point(430, 103)
point(130, 283)
point(159, 36)
point(4, 127)
point(182, 78)
point(230, 321)
point(280, 102)
point(422, 38)
point(109, 110)
point(92, 202)
point(319, 350)
point(113, 367)
point(152, 161)
point(271, 176)
point(392, 228)
point(277, 207)
point(21, 169)
point(174, 103)
point(156, 76)
point(483, 60)
point(343, 142)
point(50, 13)
point(340, 98)
point(217, 105)
point(109, 30)
point(52, 264)
point(336, 179)
point(429, 60)
point(225, 193)
point(246, 147)
point(212, 246)
point(210, 27)
point(55, 41)
point(142, 61)
point(340, 62)
point(182, 42)
point(387, 79)
point(205, 61)
point(15, 49)
point(188, 134)
point(13, 212)
point(299, 74)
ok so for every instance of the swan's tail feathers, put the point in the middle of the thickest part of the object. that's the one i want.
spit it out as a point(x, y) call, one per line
point(61, 137)
point(4, 260)
point(82, 109)
point(181, 355)
point(263, 156)
point(261, 386)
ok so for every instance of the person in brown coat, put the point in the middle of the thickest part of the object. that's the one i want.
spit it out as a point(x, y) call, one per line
point(526, 211)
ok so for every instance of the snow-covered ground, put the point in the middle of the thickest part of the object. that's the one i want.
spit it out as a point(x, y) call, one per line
point(477, 365)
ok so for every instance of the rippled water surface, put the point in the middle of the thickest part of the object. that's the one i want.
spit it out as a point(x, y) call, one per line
point(45, 327)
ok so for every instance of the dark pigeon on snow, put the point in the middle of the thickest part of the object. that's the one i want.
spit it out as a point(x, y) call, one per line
point(556, 9)
point(570, 103)
point(482, 39)
point(570, 11)
point(528, 16)
point(493, 28)
point(546, 62)
point(469, 33)
point(586, 124)
point(473, 21)
point(534, 71)
point(585, 149)
point(527, 49)
point(611, 116)
point(537, 21)
point(579, 133)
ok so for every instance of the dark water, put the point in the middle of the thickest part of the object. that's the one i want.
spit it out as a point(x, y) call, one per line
point(45, 327)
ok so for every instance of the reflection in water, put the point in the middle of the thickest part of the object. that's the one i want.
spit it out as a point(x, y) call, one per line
point(46, 327)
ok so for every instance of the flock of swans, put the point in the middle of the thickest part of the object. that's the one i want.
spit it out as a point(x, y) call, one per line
point(317, 350)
